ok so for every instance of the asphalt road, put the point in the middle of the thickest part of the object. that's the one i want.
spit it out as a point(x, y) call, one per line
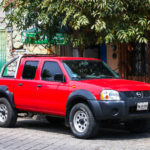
point(41, 135)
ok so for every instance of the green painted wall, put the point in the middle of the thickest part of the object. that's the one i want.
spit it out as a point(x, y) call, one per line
point(2, 48)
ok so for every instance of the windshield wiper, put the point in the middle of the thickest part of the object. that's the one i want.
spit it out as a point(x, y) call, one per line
point(76, 78)
point(105, 76)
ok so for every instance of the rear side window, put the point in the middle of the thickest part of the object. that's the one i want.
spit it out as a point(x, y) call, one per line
point(49, 70)
point(10, 69)
point(29, 70)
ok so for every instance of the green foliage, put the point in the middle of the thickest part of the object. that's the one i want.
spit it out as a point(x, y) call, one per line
point(86, 22)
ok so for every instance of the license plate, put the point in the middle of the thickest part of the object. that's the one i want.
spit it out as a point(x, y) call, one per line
point(142, 106)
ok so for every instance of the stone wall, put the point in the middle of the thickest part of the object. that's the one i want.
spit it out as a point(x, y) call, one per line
point(2, 15)
point(21, 48)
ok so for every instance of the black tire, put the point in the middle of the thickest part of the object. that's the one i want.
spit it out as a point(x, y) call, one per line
point(8, 115)
point(137, 126)
point(82, 122)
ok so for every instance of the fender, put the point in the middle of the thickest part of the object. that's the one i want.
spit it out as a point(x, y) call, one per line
point(86, 96)
point(6, 93)
point(81, 93)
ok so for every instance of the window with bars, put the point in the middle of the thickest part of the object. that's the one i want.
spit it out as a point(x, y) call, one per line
point(139, 60)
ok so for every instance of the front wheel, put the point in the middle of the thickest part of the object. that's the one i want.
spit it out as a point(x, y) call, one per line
point(8, 114)
point(82, 121)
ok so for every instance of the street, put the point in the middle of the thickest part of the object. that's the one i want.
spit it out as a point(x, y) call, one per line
point(41, 135)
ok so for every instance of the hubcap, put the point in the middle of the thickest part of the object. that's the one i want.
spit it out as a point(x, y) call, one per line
point(3, 113)
point(80, 121)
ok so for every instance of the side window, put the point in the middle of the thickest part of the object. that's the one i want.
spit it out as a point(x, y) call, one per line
point(10, 70)
point(29, 70)
point(49, 70)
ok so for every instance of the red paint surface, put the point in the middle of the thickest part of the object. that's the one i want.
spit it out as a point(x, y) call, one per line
point(52, 97)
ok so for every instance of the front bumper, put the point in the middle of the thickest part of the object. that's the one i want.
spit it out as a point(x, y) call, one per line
point(122, 110)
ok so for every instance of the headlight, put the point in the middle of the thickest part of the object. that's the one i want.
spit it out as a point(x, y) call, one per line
point(109, 95)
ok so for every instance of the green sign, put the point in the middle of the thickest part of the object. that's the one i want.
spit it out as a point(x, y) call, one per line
point(59, 39)
point(31, 36)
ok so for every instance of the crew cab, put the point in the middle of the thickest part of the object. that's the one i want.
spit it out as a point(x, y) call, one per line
point(84, 91)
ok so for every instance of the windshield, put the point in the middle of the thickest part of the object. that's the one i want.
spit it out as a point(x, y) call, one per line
point(88, 69)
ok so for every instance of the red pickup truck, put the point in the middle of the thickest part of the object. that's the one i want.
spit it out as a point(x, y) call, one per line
point(84, 91)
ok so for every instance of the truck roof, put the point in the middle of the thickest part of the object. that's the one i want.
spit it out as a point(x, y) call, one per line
point(57, 57)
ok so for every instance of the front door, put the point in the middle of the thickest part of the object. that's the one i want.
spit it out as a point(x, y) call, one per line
point(52, 95)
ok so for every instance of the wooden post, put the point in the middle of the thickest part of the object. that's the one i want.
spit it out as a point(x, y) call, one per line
point(149, 61)
point(81, 51)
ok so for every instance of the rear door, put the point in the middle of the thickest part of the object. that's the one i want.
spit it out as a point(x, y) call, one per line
point(25, 90)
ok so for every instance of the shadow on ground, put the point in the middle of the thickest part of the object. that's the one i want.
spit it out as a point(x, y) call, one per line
point(59, 128)
point(43, 125)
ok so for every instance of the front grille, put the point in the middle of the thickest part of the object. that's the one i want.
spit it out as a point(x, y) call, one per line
point(137, 94)
point(146, 93)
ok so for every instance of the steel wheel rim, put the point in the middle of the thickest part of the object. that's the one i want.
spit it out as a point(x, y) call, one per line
point(81, 121)
point(3, 113)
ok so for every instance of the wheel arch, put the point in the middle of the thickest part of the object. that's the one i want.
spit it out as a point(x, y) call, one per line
point(78, 96)
point(4, 92)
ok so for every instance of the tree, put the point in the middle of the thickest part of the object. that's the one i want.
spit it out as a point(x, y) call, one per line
point(86, 22)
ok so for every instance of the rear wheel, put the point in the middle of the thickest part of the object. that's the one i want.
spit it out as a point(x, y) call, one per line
point(82, 121)
point(8, 114)
point(137, 126)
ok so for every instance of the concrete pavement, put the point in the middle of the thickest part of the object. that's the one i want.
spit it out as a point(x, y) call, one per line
point(40, 135)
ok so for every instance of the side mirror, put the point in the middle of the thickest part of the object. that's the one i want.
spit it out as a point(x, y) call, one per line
point(59, 77)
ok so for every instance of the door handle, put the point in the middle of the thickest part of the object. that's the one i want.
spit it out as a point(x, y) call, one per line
point(39, 85)
point(20, 84)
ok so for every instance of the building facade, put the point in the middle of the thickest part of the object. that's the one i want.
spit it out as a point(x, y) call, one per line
point(2, 39)
point(131, 61)
point(11, 43)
